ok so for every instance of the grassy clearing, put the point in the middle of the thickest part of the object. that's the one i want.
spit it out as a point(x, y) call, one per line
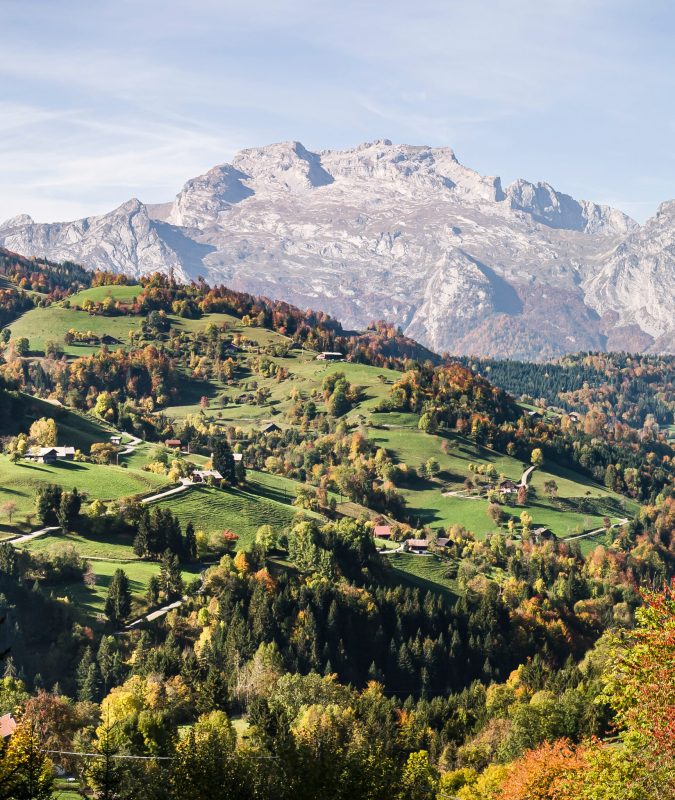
point(41, 325)
point(20, 482)
point(74, 428)
point(90, 546)
point(426, 572)
point(125, 294)
point(240, 510)
point(581, 504)
point(90, 600)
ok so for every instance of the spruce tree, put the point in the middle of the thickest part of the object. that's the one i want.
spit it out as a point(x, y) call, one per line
point(222, 459)
point(190, 543)
point(170, 577)
point(118, 601)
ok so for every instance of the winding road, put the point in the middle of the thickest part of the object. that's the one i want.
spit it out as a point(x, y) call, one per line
point(596, 531)
point(525, 477)
point(129, 447)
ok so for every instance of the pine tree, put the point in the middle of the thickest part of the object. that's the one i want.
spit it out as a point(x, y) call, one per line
point(190, 543)
point(222, 459)
point(141, 542)
point(104, 776)
point(118, 601)
point(82, 676)
point(213, 693)
point(170, 578)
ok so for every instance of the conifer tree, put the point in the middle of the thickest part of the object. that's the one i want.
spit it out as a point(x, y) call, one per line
point(118, 601)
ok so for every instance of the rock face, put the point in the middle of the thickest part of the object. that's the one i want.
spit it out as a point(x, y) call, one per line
point(402, 233)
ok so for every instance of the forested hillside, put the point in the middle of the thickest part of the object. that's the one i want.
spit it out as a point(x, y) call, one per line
point(246, 553)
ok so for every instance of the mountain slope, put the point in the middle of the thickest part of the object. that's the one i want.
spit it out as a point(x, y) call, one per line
point(395, 232)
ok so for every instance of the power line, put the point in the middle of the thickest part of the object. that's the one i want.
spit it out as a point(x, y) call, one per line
point(102, 755)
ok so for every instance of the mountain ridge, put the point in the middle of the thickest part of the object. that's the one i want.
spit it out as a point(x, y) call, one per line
point(404, 233)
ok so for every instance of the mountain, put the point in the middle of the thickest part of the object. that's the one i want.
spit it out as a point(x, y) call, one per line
point(402, 233)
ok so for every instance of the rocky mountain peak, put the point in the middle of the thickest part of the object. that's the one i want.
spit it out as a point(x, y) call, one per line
point(400, 232)
point(286, 167)
point(17, 221)
point(559, 210)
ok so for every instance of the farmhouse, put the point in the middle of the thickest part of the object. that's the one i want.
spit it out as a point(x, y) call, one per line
point(442, 541)
point(382, 531)
point(48, 455)
point(108, 339)
point(328, 356)
point(173, 443)
point(508, 487)
point(7, 726)
point(541, 533)
point(203, 475)
point(417, 545)
point(271, 427)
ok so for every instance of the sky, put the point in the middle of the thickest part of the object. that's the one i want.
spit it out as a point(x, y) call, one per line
point(111, 99)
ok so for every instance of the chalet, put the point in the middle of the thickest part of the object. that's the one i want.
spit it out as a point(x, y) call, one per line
point(541, 533)
point(508, 487)
point(173, 443)
point(108, 339)
point(7, 726)
point(417, 545)
point(328, 356)
point(382, 531)
point(442, 541)
point(203, 475)
point(116, 440)
point(48, 455)
point(271, 427)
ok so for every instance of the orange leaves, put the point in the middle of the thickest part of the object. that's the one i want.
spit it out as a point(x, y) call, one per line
point(542, 773)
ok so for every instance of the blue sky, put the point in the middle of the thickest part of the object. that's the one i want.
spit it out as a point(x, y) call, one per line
point(108, 99)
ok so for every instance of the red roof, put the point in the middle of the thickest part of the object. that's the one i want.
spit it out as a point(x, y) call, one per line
point(7, 726)
point(382, 531)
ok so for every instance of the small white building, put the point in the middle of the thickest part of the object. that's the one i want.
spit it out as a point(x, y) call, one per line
point(328, 356)
point(116, 440)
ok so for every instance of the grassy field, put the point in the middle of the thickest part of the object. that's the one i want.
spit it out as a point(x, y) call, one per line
point(90, 546)
point(125, 294)
point(40, 325)
point(74, 428)
point(305, 374)
point(581, 503)
point(90, 600)
point(19, 482)
point(240, 510)
point(425, 572)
